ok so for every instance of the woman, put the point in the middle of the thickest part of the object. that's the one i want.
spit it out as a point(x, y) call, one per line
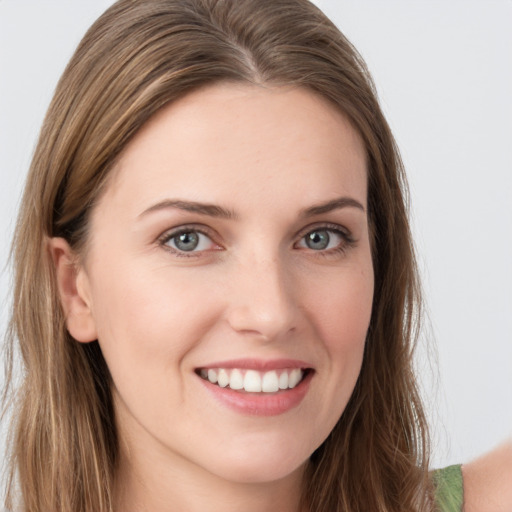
point(216, 296)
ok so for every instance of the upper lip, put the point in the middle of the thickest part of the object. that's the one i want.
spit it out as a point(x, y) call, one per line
point(259, 364)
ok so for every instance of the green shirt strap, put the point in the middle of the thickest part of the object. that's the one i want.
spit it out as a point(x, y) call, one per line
point(449, 489)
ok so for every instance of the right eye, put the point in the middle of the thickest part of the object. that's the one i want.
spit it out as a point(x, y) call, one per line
point(188, 241)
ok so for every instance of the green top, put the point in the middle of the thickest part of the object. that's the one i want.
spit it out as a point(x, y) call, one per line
point(449, 490)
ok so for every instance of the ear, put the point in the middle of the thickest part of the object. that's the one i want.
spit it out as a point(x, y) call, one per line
point(74, 291)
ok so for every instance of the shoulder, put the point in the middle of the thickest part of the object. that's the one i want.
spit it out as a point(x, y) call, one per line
point(488, 481)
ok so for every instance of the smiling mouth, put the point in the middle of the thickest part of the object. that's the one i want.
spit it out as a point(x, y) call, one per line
point(254, 381)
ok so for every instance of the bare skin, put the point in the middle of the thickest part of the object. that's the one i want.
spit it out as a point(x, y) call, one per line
point(488, 481)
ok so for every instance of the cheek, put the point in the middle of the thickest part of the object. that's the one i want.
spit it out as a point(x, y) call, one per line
point(339, 308)
point(342, 308)
point(340, 311)
point(150, 319)
point(148, 323)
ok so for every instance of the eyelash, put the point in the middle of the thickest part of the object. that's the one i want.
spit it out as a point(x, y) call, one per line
point(164, 239)
point(347, 240)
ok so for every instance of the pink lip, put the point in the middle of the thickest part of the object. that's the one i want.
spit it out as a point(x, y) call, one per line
point(260, 404)
point(259, 364)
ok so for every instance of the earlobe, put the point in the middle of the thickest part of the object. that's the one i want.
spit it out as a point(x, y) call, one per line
point(74, 292)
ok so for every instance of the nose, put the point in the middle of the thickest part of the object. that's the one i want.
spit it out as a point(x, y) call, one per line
point(262, 301)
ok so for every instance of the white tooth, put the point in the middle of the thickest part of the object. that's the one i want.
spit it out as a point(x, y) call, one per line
point(223, 378)
point(283, 380)
point(212, 376)
point(295, 376)
point(252, 381)
point(270, 382)
point(236, 380)
point(204, 373)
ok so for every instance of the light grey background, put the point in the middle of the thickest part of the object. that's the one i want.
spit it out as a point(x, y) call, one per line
point(444, 74)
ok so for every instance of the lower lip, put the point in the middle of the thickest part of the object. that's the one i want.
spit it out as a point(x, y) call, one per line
point(260, 404)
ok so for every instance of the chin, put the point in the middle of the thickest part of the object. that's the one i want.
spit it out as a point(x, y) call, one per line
point(250, 473)
point(260, 464)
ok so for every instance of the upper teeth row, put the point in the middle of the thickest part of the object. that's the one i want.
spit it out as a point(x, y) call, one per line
point(252, 380)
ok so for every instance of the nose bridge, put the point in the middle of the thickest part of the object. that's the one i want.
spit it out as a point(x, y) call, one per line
point(262, 301)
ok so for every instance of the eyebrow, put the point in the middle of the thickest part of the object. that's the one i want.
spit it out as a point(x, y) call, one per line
point(334, 204)
point(213, 210)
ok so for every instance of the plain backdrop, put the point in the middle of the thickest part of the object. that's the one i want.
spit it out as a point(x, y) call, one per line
point(443, 70)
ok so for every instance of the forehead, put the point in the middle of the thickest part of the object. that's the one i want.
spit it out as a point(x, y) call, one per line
point(230, 140)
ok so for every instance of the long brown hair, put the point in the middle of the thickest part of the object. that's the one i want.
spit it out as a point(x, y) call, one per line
point(136, 58)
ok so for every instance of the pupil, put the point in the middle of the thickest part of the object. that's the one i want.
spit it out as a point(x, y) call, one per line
point(317, 240)
point(187, 241)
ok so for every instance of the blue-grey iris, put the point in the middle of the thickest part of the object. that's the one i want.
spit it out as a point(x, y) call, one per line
point(318, 240)
point(186, 241)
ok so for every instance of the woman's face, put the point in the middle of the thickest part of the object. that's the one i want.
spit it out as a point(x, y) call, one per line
point(229, 280)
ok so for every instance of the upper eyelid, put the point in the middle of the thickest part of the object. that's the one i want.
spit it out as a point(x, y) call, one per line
point(328, 226)
point(172, 232)
point(202, 228)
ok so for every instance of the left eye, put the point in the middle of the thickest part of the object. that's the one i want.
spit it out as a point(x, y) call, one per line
point(321, 240)
point(189, 241)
